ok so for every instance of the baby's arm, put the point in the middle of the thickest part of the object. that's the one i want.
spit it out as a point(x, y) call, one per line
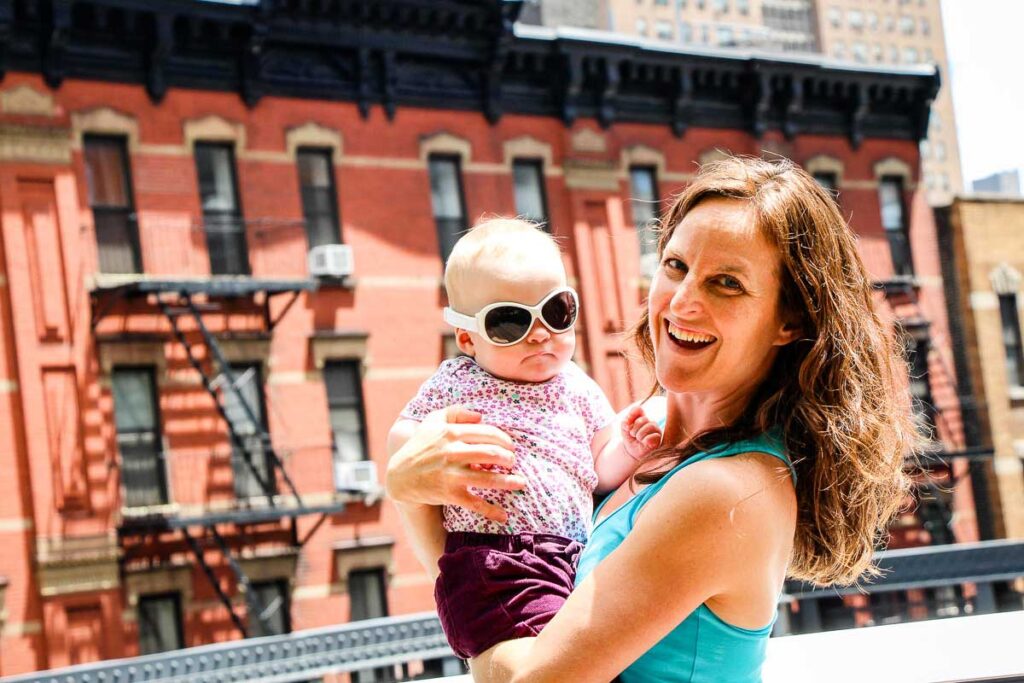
point(618, 446)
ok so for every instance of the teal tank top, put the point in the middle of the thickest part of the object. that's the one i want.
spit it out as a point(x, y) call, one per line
point(703, 648)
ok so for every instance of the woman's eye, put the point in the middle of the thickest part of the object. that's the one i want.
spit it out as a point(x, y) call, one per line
point(674, 264)
point(730, 283)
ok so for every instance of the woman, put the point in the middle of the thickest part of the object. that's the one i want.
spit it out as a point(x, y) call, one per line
point(786, 427)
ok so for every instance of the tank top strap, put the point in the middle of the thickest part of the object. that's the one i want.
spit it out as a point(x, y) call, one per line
point(770, 442)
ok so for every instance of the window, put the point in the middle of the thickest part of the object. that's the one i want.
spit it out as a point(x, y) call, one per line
point(319, 196)
point(918, 346)
point(1011, 339)
point(855, 19)
point(743, 6)
point(890, 195)
point(940, 151)
point(531, 204)
point(935, 121)
point(272, 597)
point(925, 148)
point(700, 4)
point(661, 3)
point(641, 27)
point(835, 17)
point(876, 52)
point(663, 30)
point(159, 623)
point(720, 5)
point(926, 28)
point(110, 198)
point(248, 434)
point(725, 36)
point(705, 34)
point(894, 54)
point(685, 32)
point(873, 21)
point(447, 200)
point(890, 23)
point(222, 217)
point(137, 421)
point(343, 380)
point(907, 25)
point(644, 201)
point(860, 51)
point(828, 180)
point(839, 51)
point(910, 55)
point(368, 599)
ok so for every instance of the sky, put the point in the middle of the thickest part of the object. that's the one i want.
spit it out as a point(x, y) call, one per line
point(984, 48)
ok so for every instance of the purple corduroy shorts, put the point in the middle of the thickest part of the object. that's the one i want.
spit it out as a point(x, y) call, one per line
point(496, 587)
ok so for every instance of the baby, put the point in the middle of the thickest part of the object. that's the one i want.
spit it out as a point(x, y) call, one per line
point(514, 315)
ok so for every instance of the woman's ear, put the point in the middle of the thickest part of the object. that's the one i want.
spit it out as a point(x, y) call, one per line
point(464, 340)
point(788, 333)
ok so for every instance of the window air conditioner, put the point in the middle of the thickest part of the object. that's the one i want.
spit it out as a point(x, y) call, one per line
point(356, 476)
point(331, 260)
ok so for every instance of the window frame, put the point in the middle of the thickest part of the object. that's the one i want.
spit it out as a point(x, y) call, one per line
point(537, 165)
point(237, 463)
point(358, 402)
point(160, 464)
point(643, 231)
point(131, 217)
point(281, 584)
point(326, 153)
point(175, 597)
point(235, 215)
point(902, 233)
point(1009, 319)
point(441, 223)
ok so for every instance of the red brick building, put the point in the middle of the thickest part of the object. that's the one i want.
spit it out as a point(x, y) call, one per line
point(187, 410)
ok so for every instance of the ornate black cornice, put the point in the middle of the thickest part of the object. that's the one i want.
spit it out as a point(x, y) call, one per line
point(454, 54)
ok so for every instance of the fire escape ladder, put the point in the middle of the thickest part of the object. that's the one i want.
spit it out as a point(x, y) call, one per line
point(255, 606)
point(227, 381)
point(212, 578)
point(212, 385)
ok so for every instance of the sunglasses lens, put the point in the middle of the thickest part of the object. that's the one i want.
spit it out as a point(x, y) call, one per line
point(560, 312)
point(507, 324)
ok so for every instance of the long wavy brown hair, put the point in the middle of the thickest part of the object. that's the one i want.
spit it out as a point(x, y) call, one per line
point(839, 393)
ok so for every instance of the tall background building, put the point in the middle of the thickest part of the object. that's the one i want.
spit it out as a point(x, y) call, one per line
point(883, 33)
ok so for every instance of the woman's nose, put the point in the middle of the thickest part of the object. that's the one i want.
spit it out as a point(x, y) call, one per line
point(686, 297)
point(538, 333)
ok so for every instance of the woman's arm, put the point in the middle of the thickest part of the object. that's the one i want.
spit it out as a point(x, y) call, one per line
point(434, 462)
point(708, 533)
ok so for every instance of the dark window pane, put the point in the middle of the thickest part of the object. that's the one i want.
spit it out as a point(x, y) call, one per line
point(529, 188)
point(890, 196)
point(272, 597)
point(367, 594)
point(250, 433)
point(106, 170)
point(1012, 339)
point(138, 437)
point(920, 385)
point(827, 180)
point(644, 203)
point(348, 420)
point(159, 623)
point(319, 203)
point(222, 219)
point(446, 199)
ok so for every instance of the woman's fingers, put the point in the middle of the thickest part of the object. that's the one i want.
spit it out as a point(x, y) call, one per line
point(464, 454)
point(483, 479)
point(483, 508)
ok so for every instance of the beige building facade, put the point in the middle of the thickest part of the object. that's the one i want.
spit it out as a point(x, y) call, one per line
point(986, 235)
point(871, 32)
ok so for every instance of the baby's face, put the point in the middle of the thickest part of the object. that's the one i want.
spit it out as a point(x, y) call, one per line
point(542, 354)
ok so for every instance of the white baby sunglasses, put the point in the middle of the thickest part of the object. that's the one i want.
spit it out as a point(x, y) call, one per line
point(505, 323)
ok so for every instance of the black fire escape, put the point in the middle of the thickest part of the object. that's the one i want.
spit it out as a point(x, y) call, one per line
point(262, 514)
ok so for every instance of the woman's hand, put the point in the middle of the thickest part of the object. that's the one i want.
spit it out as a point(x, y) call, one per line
point(443, 456)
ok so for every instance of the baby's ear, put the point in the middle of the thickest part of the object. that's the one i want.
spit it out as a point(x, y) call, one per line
point(464, 340)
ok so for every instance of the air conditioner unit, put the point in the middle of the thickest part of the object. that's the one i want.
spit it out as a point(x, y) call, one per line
point(331, 260)
point(356, 476)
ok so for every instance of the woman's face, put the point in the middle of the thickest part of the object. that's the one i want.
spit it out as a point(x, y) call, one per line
point(716, 322)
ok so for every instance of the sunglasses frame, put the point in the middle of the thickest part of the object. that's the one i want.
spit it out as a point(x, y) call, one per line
point(475, 323)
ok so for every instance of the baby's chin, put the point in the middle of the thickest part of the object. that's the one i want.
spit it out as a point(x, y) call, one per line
point(530, 371)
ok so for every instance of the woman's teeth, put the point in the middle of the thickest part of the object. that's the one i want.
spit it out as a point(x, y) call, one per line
point(682, 335)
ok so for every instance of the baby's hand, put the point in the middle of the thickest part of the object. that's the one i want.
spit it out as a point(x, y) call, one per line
point(640, 435)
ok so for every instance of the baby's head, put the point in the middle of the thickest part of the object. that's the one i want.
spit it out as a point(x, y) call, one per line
point(511, 260)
